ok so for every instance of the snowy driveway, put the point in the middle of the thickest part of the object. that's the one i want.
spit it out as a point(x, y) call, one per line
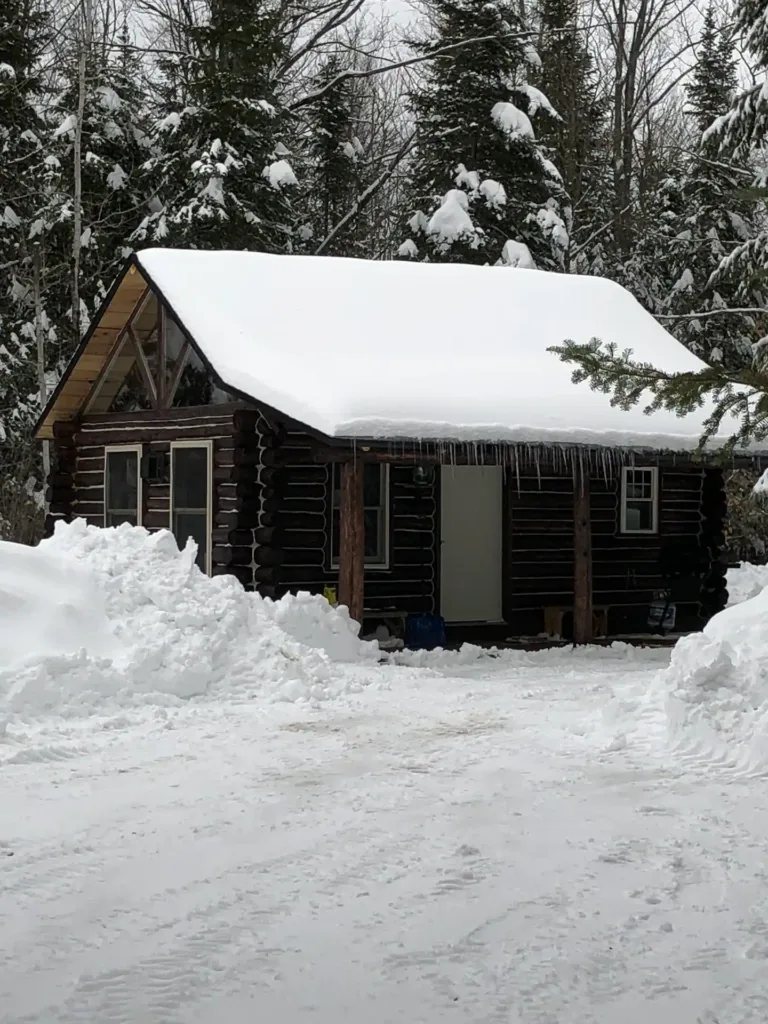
point(475, 844)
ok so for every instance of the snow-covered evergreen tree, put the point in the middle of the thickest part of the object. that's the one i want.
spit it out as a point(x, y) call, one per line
point(714, 220)
point(25, 169)
point(114, 147)
point(483, 191)
point(220, 170)
point(329, 165)
point(576, 140)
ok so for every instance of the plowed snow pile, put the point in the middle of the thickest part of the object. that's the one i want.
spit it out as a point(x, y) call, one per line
point(94, 619)
point(716, 689)
point(746, 581)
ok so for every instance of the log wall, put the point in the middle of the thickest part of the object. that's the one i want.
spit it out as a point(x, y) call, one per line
point(77, 485)
point(296, 499)
point(271, 508)
point(626, 568)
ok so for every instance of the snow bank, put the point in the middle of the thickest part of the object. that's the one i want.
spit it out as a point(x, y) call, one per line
point(95, 619)
point(715, 690)
point(746, 581)
point(48, 606)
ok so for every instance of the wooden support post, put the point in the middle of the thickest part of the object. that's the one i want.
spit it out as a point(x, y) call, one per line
point(352, 539)
point(582, 558)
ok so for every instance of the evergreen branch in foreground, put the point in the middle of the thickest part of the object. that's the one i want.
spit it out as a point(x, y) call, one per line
point(739, 398)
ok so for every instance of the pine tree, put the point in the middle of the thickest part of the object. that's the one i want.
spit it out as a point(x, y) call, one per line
point(114, 149)
point(739, 391)
point(220, 170)
point(575, 141)
point(482, 189)
point(714, 222)
point(25, 168)
point(329, 165)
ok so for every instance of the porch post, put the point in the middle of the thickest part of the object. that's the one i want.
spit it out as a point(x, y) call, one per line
point(582, 557)
point(352, 539)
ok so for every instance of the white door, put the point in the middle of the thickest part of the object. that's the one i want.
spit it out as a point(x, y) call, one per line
point(471, 549)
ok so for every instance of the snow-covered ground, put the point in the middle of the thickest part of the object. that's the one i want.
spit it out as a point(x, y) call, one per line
point(551, 838)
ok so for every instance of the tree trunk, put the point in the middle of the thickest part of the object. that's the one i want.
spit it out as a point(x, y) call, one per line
point(85, 32)
point(352, 539)
point(40, 343)
point(582, 558)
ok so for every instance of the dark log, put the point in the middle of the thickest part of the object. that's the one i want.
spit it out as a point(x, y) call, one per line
point(94, 478)
point(352, 539)
point(222, 555)
point(232, 503)
point(155, 519)
point(157, 491)
point(304, 557)
point(233, 538)
point(60, 508)
point(296, 474)
point(582, 559)
point(267, 574)
point(223, 413)
point(421, 506)
point(64, 429)
point(316, 576)
point(303, 520)
point(414, 556)
point(248, 420)
point(413, 538)
point(304, 539)
point(235, 457)
point(145, 433)
point(264, 555)
point(280, 457)
point(268, 535)
point(237, 474)
point(61, 481)
point(247, 489)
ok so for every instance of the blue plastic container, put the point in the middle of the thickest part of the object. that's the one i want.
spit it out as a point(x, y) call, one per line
point(425, 632)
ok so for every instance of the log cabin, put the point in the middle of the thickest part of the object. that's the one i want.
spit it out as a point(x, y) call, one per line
point(397, 432)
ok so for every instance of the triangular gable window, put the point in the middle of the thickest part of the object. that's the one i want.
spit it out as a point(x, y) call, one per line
point(153, 366)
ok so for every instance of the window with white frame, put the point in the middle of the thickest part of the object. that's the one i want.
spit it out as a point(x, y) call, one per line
point(639, 499)
point(191, 486)
point(376, 512)
point(122, 485)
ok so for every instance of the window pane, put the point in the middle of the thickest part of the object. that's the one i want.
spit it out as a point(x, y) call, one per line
point(194, 388)
point(374, 514)
point(190, 478)
point(132, 395)
point(639, 483)
point(372, 485)
point(639, 515)
point(373, 552)
point(122, 483)
point(335, 535)
point(116, 518)
point(194, 525)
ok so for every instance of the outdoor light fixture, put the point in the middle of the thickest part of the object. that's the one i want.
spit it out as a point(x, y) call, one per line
point(424, 476)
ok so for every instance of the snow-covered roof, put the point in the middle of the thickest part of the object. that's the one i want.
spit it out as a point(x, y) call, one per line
point(363, 349)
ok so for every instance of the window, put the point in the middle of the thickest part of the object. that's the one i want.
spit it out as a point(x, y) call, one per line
point(191, 497)
point(122, 485)
point(376, 504)
point(639, 500)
